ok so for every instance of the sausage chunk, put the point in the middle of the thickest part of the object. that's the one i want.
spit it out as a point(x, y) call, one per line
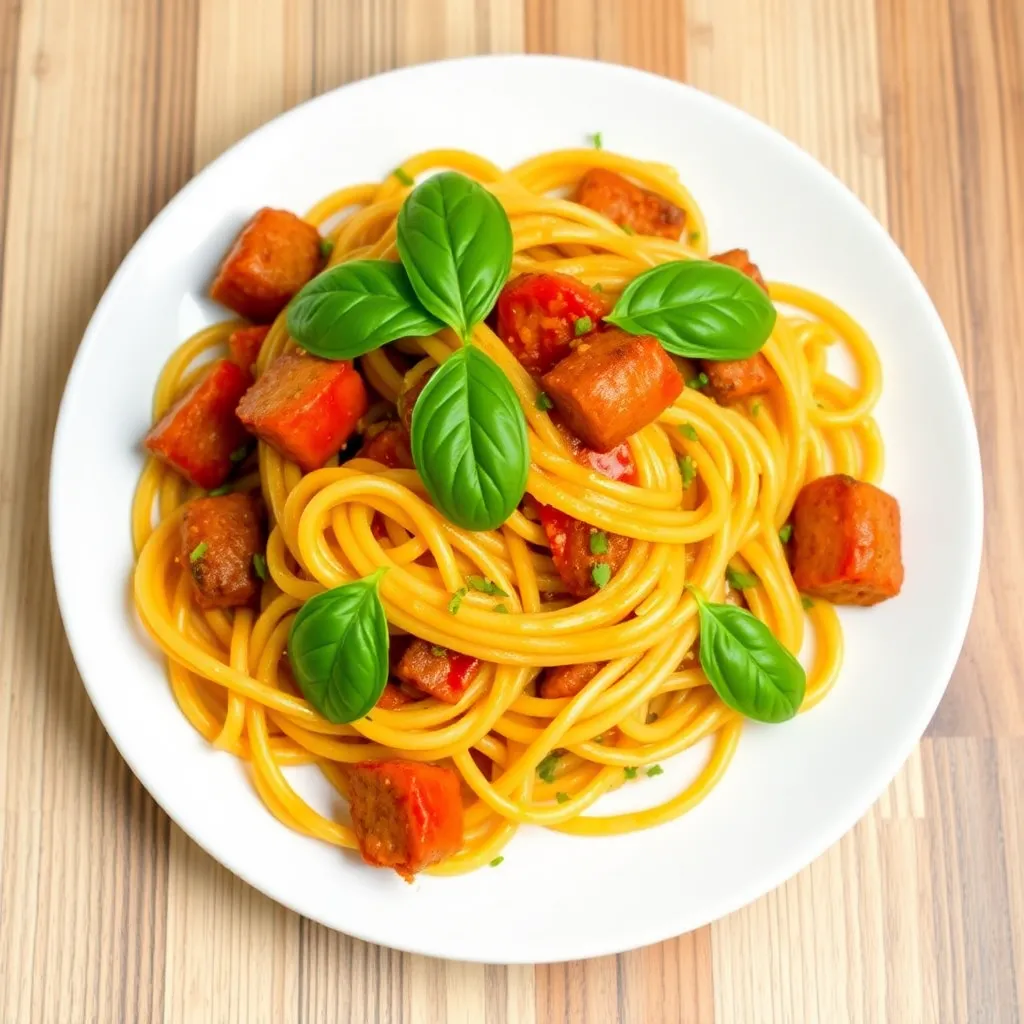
point(219, 538)
point(612, 386)
point(406, 815)
point(567, 680)
point(305, 407)
point(245, 344)
point(273, 257)
point(846, 541)
point(200, 432)
point(733, 379)
point(437, 671)
point(540, 315)
point(629, 205)
point(579, 549)
point(389, 446)
point(393, 697)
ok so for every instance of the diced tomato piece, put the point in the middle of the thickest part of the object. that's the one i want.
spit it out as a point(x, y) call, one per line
point(245, 344)
point(629, 205)
point(846, 541)
point(571, 550)
point(305, 407)
point(407, 399)
point(567, 680)
point(406, 815)
point(389, 446)
point(393, 697)
point(273, 257)
point(540, 315)
point(201, 431)
point(739, 259)
point(612, 386)
point(219, 538)
point(437, 671)
point(617, 463)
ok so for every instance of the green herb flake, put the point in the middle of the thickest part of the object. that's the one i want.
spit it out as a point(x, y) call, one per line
point(543, 402)
point(598, 287)
point(198, 551)
point(583, 325)
point(239, 454)
point(688, 431)
point(693, 237)
point(688, 469)
point(497, 861)
point(485, 586)
point(601, 574)
point(598, 140)
point(740, 580)
point(403, 176)
point(456, 602)
point(599, 543)
point(655, 769)
point(500, 608)
point(698, 382)
point(438, 651)
point(562, 798)
point(785, 533)
point(755, 409)
point(630, 772)
point(326, 247)
point(806, 602)
point(219, 492)
point(259, 564)
point(628, 229)
point(546, 768)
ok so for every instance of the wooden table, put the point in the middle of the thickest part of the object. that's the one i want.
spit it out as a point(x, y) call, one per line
point(107, 912)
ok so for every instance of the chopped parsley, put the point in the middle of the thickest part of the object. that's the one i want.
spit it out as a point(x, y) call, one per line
point(497, 861)
point(403, 176)
point(198, 551)
point(456, 602)
point(740, 580)
point(562, 798)
point(601, 574)
point(688, 469)
point(598, 287)
point(500, 608)
point(219, 492)
point(806, 602)
point(326, 247)
point(598, 140)
point(693, 237)
point(543, 402)
point(630, 772)
point(438, 651)
point(583, 325)
point(785, 533)
point(655, 769)
point(259, 564)
point(628, 229)
point(698, 382)
point(688, 431)
point(599, 543)
point(755, 408)
point(239, 454)
point(546, 768)
point(485, 586)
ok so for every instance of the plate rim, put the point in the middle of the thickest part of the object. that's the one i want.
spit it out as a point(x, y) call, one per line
point(888, 765)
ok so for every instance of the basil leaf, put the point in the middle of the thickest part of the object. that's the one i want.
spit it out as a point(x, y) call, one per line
point(338, 649)
point(356, 307)
point(750, 670)
point(698, 309)
point(456, 244)
point(469, 441)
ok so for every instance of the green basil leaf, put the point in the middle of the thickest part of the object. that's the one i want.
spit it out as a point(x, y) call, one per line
point(356, 307)
point(469, 441)
point(338, 649)
point(456, 244)
point(698, 309)
point(748, 667)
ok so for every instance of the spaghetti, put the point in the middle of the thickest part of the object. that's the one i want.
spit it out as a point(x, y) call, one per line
point(650, 700)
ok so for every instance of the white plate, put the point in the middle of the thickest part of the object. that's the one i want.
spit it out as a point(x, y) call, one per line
point(791, 790)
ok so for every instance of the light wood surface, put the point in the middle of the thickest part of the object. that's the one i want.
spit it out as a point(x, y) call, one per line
point(107, 912)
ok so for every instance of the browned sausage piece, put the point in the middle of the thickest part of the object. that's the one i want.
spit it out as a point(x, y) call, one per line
point(567, 680)
point(437, 671)
point(219, 537)
point(629, 205)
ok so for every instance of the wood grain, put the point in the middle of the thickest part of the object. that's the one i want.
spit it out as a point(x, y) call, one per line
point(107, 911)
